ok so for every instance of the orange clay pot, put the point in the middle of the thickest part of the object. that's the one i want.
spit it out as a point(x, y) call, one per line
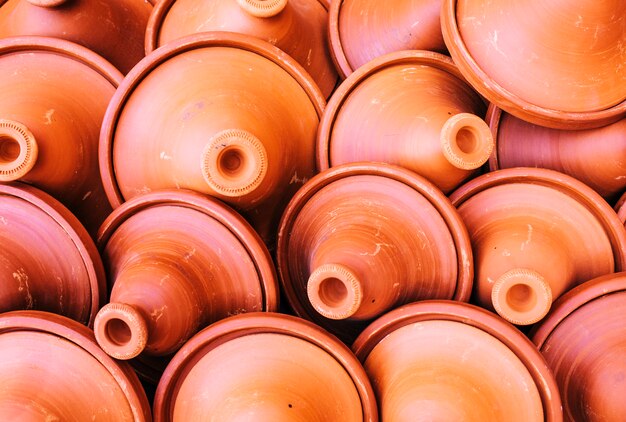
point(48, 261)
point(620, 208)
point(52, 369)
point(235, 135)
point(264, 366)
point(54, 96)
point(113, 29)
point(177, 262)
point(298, 27)
point(361, 239)
point(593, 156)
point(583, 339)
point(535, 234)
point(361, 30)
point(450, 361)
point(558, 64)
point(412, 109)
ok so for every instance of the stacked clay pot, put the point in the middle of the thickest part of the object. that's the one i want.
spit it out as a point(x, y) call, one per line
point(178, 261)
point(48, 261)
point(264, 367)
point(52, 369)
point(620, 208)
point(298, 27)
point(412, 109)
point(113, 29)
point(55, 94)
point(233, 135)
point(452, 361)
point(361, 239)
point(536, 234)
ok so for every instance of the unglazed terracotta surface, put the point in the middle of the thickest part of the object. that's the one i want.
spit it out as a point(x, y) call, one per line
point(233, 135)
point(620, 208)
point(48, 261)
point(177, 262)
point(113, 29)
point(264, 367)
point(535, 234)
point(412, 109)
point(53, 370)
point(558, 64)
point(361, 239)
point(298, 27)
point(55, 94)
point(361, 30)
point(593, 156)
point(449, 361)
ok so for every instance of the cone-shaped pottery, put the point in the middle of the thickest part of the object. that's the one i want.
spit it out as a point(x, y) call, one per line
point(54, 96)
point(535, 234)
point(593, 156)
point(52, 369)
point(361, 30)
point(298, 27)
point(113, 29)
point(583, 339)
point(558, 64)
point(450, 361)
point(412, 109)
point(360, 239)
point(48, 261)
point(264, 366)
point(229, 115)
point(178, 261)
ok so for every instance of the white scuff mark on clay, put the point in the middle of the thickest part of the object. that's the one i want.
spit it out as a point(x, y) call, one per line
point(529, 236)
point(376, 251)
point(296, 179)
point(22, 278)
point(165, 156)
point(48, 116)
point(85, 196)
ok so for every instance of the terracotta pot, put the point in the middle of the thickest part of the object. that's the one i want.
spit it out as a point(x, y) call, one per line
point(452, 361)
point(234, 135)
point(583, 341)
point(361, 30)
point(352, 245)
point(264, 367)
point(177, 262)
point(48, 261)
point(113, 29)
point(535, 234)
point(620, 208)
point(557, 64)
point(298, 27)
point(52, 369)
point(412, 109)
point(593, 156)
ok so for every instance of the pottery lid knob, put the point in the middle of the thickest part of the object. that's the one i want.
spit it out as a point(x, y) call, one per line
point(18, 150)
point(121, 331)
point(521, 296)
point(466, 141)
point(334, 291)
point(46, 3)
point(263, 8)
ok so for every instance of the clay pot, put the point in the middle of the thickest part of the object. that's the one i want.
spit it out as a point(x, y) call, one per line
point(178, 261)
point(54, 96)
point(593, 156)
point(620, 208)
point(360, 239)
point(113, 29)
point(48, 261)
point(412, 109)
point(557, 64)
point(264, 366)
point(235, 135)
point(361, 30)
point(52, 369)
point(535, 234)
point(451, 361)
point(298, 27)
point(583, 341)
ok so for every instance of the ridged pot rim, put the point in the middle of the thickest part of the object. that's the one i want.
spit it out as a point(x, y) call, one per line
point(474, 316)
point(74, 230)
point(568, 185)
point(83, 337)
point(214, 209)
point(493, 118)
point(172, 49)
point(422, 186)
point(343, 91)
point(256, 323)
point(505, 99)
point(620, 208)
